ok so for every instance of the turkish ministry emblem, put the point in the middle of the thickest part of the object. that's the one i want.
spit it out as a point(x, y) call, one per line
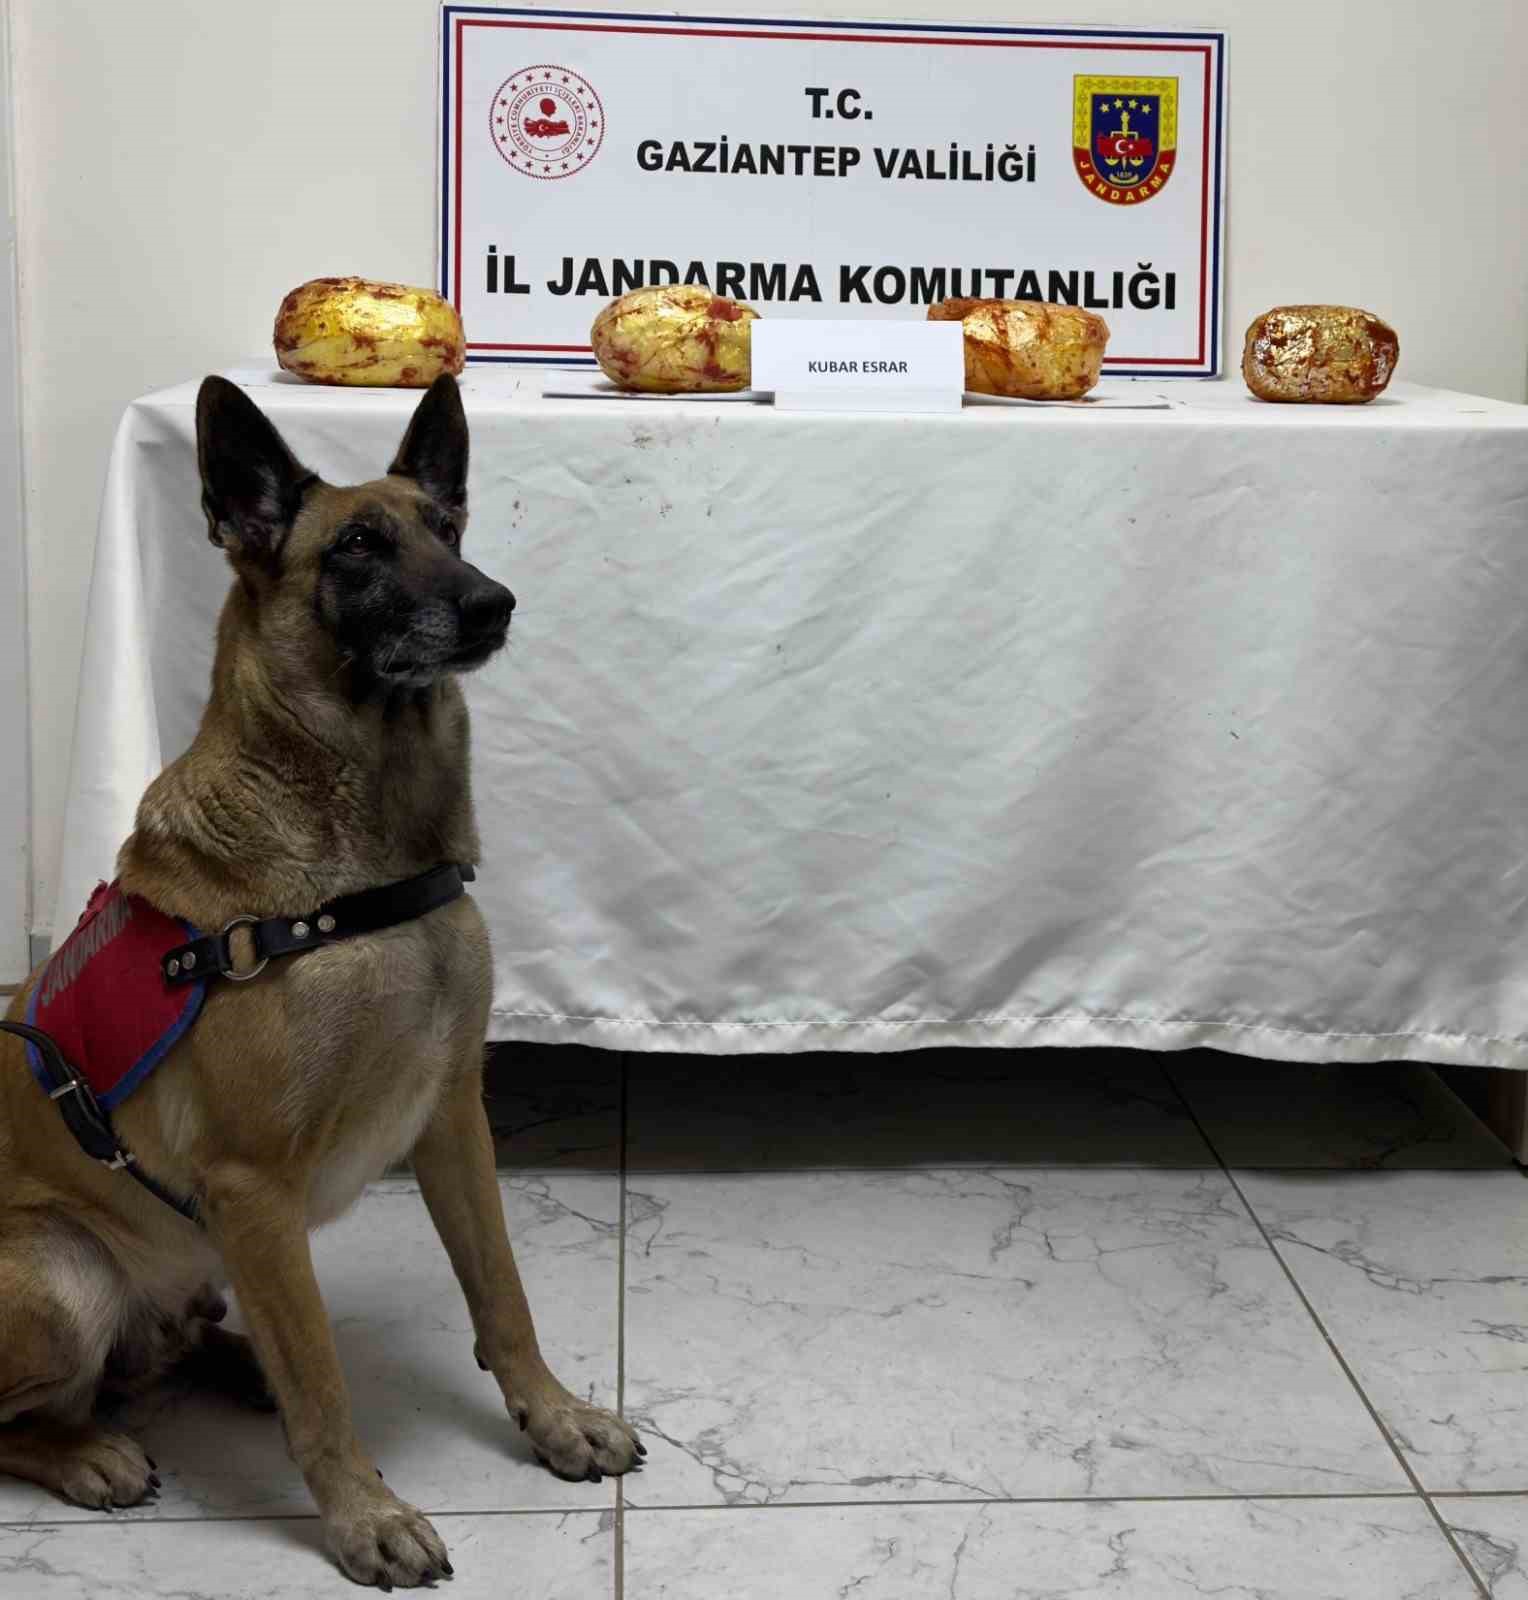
point(547, 122)
point(1124, 136)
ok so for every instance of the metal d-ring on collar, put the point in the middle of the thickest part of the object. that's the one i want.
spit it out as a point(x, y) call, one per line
point(231, 975)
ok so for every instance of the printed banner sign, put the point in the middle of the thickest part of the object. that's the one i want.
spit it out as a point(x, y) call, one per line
point(829, 170)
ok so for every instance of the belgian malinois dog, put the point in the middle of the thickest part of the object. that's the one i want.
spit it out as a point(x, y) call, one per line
point(332, 758)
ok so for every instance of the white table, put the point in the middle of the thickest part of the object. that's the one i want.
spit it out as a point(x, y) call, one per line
point(1197, 726)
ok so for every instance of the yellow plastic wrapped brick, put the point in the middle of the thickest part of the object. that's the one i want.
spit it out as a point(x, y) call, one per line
point(1321, 355)
point(676, 338)
point(356, 331)
point(1027, 349)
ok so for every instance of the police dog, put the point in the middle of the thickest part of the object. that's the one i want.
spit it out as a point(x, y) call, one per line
point(332, 758)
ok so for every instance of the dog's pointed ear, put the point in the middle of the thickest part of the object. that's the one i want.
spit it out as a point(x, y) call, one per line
point(434, 450)
point(252, 485)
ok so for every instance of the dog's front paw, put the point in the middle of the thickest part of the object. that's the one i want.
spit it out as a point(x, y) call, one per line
point(579, 1441)
point(100, 1470)
point(389, 1544)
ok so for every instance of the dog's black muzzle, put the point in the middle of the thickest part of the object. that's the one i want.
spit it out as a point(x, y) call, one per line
point(483, 613)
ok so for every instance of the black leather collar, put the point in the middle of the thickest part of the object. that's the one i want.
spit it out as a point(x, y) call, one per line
point(368, 911)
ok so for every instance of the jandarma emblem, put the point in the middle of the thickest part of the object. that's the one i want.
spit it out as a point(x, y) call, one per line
point(1124, 136)
point(547, 122)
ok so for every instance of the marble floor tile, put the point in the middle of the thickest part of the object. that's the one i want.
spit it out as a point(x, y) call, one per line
point(974, 1333)
point(1332, 1549)
point(1492, 1530)
point(1389, 1114)
point(434, 1424)
point(555, 1107)
point(556, 1557)
point(934, 1108)
point(1421, 1278)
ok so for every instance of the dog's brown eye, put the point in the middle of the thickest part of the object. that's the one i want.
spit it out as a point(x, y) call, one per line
point(358, 542)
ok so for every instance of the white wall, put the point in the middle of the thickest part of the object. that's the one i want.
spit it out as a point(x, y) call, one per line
point(15, 784)
point(182, 163)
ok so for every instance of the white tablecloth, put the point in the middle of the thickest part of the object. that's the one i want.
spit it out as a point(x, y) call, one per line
point(1199, 726)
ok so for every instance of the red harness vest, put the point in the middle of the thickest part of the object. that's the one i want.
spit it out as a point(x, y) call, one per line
point(127, 983)
point(104, 999)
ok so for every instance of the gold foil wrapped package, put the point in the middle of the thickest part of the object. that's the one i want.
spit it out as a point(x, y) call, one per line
point(1027, 349)
point(674, 338)
point(355, 331)
point(1323, 355)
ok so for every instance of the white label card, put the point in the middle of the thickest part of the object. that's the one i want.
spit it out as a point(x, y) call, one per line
point(859, 366)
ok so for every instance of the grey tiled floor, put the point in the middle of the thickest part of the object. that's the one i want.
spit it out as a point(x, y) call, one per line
point(970, 1324)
